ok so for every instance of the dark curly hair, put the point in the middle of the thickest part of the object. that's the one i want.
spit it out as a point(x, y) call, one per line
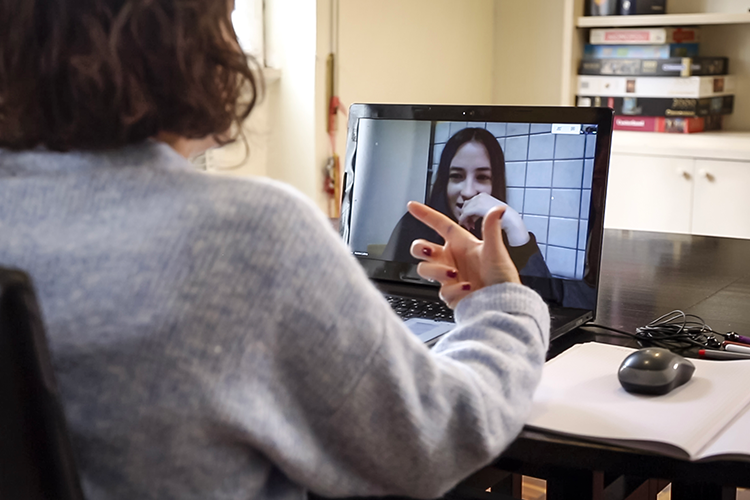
point(101, 74)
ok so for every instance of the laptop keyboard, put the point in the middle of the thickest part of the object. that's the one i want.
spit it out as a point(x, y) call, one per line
point(407, 308)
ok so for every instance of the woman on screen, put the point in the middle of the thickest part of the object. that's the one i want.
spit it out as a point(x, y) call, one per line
point(470, 181)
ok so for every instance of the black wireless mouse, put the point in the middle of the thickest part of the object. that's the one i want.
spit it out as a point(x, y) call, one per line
point(654, 370)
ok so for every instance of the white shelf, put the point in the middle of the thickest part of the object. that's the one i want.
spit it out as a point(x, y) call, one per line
point(713, 145)
point(663, 20)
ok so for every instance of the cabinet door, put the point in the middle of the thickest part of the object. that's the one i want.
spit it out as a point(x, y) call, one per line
point(722, 198)
point(649, 193)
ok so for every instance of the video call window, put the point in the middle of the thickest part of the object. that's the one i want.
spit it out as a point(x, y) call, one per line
point(548, 173)
point(548, 177)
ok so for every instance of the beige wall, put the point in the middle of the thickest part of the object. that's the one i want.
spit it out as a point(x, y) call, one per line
point(398, 51)
point(529, 52)
point(436, 51)
point(248, 157)
point(414, 51)
point(290, 37)
point(285, 134)
point(428, 51)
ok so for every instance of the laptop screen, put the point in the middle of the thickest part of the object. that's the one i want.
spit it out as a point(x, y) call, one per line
point(547, 164)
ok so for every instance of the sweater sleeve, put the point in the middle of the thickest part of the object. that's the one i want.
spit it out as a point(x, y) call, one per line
point(354, 404)
point(418, 421)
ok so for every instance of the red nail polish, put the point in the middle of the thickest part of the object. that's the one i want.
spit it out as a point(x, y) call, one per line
point(427, 251)
point(466, 287)
point(452, 273)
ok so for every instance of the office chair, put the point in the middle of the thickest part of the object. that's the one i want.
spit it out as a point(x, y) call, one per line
point(36, 457)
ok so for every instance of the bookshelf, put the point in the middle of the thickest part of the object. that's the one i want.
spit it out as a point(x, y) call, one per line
point(539, 45)
point(725, 26)
point(664, 20)
point(686, 183)
point(694, 181)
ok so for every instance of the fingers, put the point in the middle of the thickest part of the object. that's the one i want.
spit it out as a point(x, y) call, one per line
point(499, 267)
point(438, 272)
point(468, 222)
point(470, 214)
point(425, 250)
point(441, 223)
point(453, 294)
point(491, 230)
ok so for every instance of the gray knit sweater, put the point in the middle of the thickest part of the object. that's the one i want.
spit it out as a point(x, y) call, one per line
point(213, 339)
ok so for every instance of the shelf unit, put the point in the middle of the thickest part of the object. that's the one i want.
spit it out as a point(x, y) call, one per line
point(542, 43)
point(690, 183)
point(730, 146)
point(694, 183)
point(725, 26)
point(663, 20)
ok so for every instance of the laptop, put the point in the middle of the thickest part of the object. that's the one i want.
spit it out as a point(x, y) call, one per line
point(549, 164)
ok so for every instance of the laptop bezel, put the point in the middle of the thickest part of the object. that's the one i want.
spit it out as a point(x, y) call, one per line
point(405, 273)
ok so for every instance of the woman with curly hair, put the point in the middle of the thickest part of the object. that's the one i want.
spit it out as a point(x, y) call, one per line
point(195, 322)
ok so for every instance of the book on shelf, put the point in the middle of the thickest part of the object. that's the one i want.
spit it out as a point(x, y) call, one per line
point(705, 419)
point(640, 51)
point(602, 7)
point(673, 66)
point(624, 7)
point(643, 36)
point(668, 124)
point(639, 7)
point(660, 106)
point(647, 86)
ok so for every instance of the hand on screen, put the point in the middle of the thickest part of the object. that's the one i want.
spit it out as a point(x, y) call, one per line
point(463, 264)
point(477, 207)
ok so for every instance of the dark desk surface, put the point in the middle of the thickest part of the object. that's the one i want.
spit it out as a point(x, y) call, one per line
point(648, 274)
point(644, 276)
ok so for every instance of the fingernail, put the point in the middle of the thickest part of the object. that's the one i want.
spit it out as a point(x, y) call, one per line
point(466, 287)
point(427, 251)
point(452, 273)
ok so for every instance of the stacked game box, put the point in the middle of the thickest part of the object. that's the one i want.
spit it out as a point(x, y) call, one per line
point(655, 80)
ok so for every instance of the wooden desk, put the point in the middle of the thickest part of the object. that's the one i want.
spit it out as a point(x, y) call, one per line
point(644, 276)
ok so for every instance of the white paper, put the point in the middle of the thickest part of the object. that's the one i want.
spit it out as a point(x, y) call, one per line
point(580, 394)
point(734, 440)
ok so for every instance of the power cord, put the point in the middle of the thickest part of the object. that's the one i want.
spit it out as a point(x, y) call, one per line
point(673, 330)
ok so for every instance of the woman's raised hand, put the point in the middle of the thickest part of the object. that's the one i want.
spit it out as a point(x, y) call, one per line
point(478, 206)
point(463, 264)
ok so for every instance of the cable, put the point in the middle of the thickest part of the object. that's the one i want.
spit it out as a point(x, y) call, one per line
point(673, 330)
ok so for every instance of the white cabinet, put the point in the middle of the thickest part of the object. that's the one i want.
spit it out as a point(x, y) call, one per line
point(680, 183)
point(679, 195)
point(649, 193)
point(721, 198)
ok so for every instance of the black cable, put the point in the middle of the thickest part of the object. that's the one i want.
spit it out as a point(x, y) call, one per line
point(673, 330)
point(615, 330)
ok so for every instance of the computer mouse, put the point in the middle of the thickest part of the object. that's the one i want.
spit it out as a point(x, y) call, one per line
point(654, 370)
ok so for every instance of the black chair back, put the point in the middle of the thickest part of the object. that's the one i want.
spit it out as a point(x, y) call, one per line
point(36, 457)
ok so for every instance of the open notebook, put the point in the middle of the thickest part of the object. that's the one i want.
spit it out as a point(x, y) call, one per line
point(707, 418)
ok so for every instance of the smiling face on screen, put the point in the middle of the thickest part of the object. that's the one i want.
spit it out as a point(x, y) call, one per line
point(470, 174)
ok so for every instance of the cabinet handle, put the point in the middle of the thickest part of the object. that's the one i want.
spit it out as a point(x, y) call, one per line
point(708, 175)
point(684, 173)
